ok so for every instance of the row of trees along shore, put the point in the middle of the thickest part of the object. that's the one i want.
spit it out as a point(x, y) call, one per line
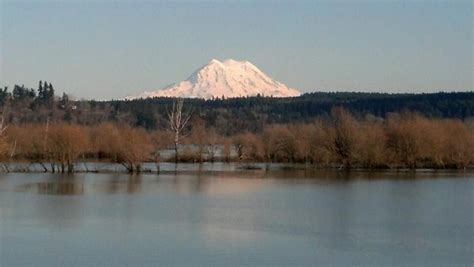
point(229, 116)
point(341, 140)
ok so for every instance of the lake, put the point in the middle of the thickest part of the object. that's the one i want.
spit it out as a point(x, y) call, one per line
point(222, 215)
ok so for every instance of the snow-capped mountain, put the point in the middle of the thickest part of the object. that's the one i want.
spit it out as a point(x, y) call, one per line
point(229, 78)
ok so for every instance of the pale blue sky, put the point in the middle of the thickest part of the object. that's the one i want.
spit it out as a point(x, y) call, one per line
point(109, 49)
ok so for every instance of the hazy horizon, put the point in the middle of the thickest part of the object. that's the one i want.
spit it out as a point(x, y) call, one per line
point(109, 49)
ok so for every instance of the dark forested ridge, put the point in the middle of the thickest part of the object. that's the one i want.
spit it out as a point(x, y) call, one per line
point(253, 113)
point(26, 105)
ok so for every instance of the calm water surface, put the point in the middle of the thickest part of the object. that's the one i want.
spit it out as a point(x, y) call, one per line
point(217, 217)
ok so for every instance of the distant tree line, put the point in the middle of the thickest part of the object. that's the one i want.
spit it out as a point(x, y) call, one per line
point(27, 105)
point(228, 116)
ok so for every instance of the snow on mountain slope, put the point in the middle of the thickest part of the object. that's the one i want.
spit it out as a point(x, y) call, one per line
point(229, 78)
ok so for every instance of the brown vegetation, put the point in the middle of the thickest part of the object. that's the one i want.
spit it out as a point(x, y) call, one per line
point(123, 144)
point(65, 143)
point(341, 141)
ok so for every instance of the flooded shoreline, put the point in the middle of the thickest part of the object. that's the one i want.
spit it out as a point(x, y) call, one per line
point(170, 167)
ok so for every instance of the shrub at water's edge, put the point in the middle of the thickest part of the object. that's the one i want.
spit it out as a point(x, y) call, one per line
point(402, 140)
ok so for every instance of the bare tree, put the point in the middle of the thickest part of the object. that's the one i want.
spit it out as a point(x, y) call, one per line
point(46, 153)
point(160, 139)
point(3, 127)
point(199, 137)
point(134, 148)
point(178, 121)
point(213, 140)
point(280, 143)
point(344, 140)
point(66, 143)
point(3, 143)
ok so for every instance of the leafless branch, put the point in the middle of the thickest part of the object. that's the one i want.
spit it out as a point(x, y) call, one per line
point(178, 122)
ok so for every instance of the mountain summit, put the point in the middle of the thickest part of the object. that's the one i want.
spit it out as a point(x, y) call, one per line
point(229, 78)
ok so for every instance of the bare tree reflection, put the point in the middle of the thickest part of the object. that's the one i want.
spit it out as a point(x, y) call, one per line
point(55, 188)
point(134, 184)
point(61, 188)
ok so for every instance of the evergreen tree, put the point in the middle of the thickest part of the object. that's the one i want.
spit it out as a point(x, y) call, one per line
point(4, 95)
point(64, 101)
